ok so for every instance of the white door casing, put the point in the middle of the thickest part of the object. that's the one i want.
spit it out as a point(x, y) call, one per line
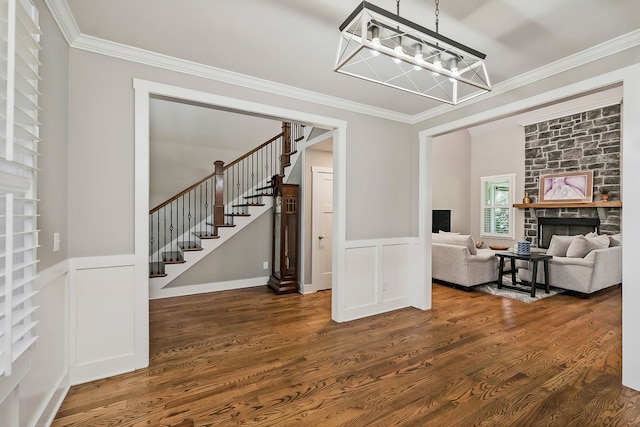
point(321, 227)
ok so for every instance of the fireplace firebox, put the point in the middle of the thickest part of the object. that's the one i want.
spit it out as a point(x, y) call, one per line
point(547, 227)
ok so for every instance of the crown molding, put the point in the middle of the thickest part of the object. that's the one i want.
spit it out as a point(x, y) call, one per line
point(64, 18)
point(69, 28)
point(618, 44)
point(572, 109)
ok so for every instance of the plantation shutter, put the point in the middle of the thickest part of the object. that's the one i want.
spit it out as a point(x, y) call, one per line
point(19, 130)
point(486, 206)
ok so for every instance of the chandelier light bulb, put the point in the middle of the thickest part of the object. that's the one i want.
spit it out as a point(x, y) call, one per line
point(418, 53)
point(375, 35)
point(398, 49)
point(375, 40)
point(437, 63)
point(453, 66)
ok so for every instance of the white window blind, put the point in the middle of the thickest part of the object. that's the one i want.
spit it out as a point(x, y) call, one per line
point(497, 206)
point(19, 130)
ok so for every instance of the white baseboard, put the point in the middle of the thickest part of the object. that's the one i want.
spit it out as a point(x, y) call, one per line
point(52, 405)
point(202, 288)
point(308, 288)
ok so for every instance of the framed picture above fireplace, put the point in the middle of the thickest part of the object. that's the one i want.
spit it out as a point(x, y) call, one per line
point(566, 187)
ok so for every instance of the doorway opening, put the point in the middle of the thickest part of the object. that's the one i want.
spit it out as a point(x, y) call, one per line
point(144, 91)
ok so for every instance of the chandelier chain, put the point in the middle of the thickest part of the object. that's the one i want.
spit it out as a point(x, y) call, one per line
point(437, 14)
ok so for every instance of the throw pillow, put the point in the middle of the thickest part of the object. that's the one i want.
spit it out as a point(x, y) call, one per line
point(615, 240)
point(559, 245)
point(581, 245)
point(592, 234)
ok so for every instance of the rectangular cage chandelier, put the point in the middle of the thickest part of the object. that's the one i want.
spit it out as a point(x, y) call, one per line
point(384, 48)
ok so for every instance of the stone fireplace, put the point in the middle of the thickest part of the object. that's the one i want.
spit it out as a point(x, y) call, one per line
point(583, 141)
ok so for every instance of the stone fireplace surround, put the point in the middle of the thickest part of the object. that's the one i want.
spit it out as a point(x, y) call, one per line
point(582, 141)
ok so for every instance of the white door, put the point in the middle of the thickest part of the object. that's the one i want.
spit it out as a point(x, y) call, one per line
point(321, 227)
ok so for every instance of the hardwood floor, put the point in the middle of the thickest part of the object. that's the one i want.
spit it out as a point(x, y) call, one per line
point(249, 357)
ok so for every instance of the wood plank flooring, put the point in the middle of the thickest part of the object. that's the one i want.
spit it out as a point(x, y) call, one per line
point(250, 357)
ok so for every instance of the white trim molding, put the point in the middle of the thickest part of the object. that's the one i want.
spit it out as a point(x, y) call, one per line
point(144, 89)
point(106, 337)
point(619, 44)
point(65, 20)
point(178, 291)
point(379, 276)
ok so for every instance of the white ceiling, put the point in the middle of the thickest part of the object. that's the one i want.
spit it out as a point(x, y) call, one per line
point(175, 123)
point(294, 42)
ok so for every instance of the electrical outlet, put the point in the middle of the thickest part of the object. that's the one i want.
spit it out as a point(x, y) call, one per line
point(265, 265)
point(56, 242)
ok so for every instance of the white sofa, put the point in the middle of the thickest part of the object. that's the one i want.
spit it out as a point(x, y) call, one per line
point(455, 259)
point(582, 264)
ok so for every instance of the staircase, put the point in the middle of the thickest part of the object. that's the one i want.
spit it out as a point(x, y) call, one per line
point(193, 223)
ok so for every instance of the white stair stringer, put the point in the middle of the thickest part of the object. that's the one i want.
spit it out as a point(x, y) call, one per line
point(157, 284)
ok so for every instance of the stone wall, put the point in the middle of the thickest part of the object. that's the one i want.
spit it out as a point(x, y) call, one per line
point(584, 141)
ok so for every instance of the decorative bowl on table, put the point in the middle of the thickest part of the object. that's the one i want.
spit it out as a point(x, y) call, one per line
point(498, 247)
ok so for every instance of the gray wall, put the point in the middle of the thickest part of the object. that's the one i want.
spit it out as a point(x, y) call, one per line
point(451, 175)
point(498, 151)
point(238, 258)
point(186, 140)
point(52, 178)
point(101, 172)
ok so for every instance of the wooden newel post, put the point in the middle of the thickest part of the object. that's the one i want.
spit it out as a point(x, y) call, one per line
point(218, 204)
point(286, 146)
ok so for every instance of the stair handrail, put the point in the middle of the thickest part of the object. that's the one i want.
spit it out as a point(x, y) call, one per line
point(180, 222)
point(228, 165)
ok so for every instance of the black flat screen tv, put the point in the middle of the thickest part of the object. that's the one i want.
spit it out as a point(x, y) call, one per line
point(441, 220)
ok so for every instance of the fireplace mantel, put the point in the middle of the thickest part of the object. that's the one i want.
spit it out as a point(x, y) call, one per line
point(556, 205)
point(602, 212)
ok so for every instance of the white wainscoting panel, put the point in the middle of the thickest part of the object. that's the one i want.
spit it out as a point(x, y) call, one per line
point(47, 381)
point(378, 276)
point(103, 318)
point(32, 394)
point(396, 273)
point(361, 277)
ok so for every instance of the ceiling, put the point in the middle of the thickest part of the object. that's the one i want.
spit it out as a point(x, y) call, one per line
point(290, 46)
point(294, 42)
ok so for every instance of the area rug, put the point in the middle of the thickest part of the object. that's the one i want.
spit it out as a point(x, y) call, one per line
point(492, 288)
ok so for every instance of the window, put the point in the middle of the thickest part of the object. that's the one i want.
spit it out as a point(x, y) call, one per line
point(19, 130)
point(497, 206)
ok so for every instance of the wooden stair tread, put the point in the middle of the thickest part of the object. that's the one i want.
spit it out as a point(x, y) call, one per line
point(258, 195)
point(172, 258)
point(156, 269)
point(221, 225)
point(205, 235)
point(246, 205)
point(190, 246)
point(238, 214)
point(152, 275)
